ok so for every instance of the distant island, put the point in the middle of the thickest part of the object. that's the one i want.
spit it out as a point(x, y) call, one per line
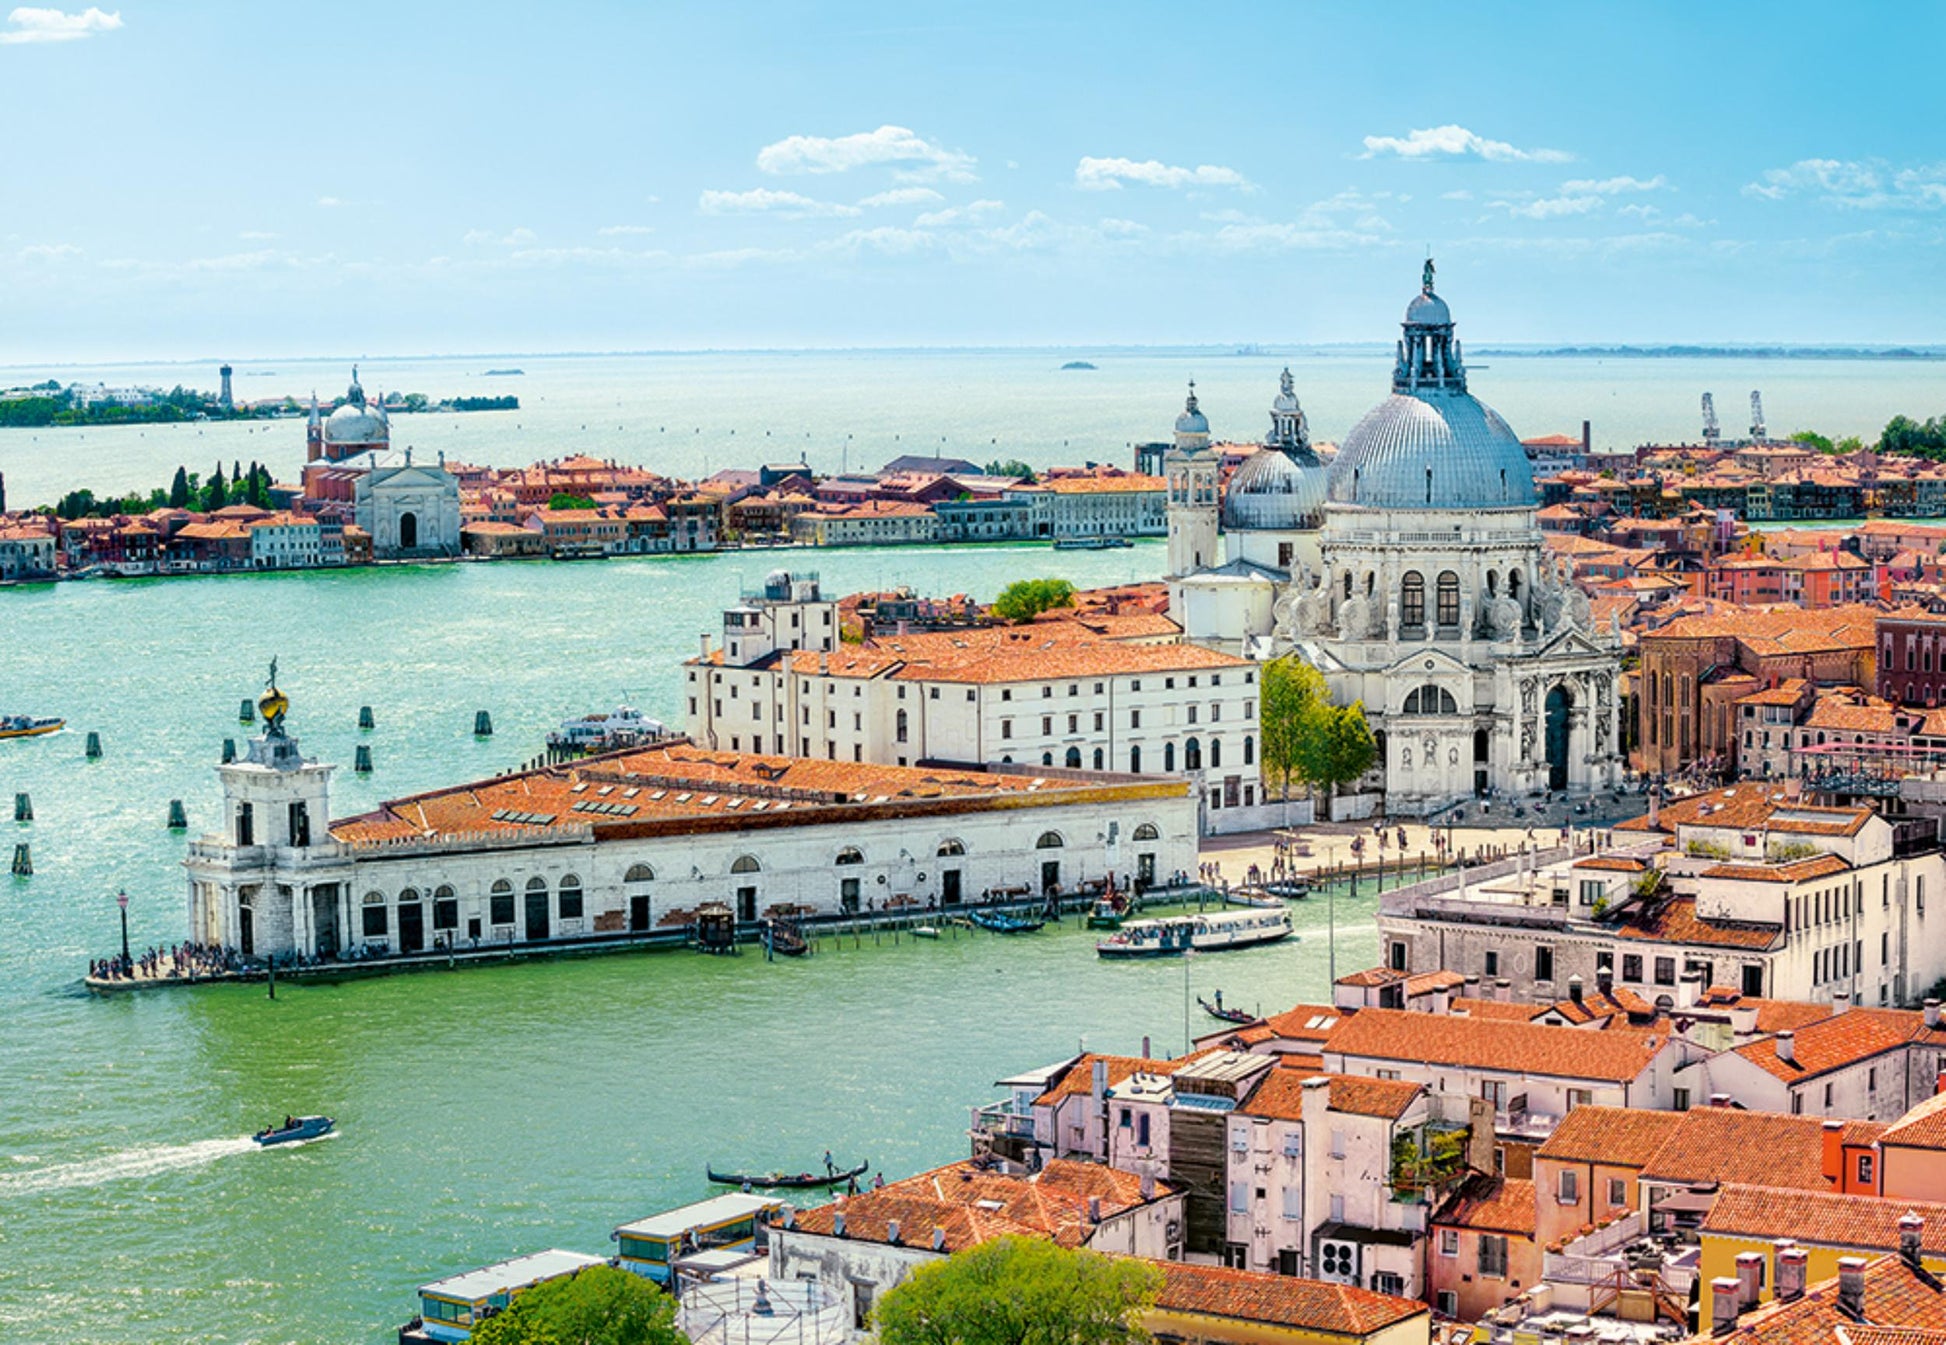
point(504, 373)
point(1077, 364)
point(1726, 352)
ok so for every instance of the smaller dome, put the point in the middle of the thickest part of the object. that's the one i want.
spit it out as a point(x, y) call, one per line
point(355, 424)
point(1192, 420)
point(1428, 310)
point(1273, 491)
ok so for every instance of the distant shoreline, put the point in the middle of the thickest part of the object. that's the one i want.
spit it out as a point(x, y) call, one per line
point(1717, 352)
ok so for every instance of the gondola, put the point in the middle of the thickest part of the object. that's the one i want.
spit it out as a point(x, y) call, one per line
point(1001, 923)
point(299, 1128)
point(787, 1181)
point(1227, 1015)
point(788, 941)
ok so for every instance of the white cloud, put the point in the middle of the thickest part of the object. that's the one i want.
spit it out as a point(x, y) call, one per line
point(329, 201)
point(1645, 213)
point(903, 196)
point(1611, 186)
point(917, 159)
point(1093, 174)
point(1550, 207)
point(1461, 195)
point(48, 252)
point(1456, 142)
point(764, 201)
point(965, 214)
point(624, 230)
point(1327, 214)
point(890, 241)
point(255, 236)
point(483, 237)
point(51, 25)
point(1867, 184)
point(1121, 228)
point(235, 261)
point(1286, 237)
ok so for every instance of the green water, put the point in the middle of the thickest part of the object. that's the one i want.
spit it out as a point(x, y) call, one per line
point(485, 1112)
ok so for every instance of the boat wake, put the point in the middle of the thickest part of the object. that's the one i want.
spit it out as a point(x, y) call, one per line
point(146, 1161)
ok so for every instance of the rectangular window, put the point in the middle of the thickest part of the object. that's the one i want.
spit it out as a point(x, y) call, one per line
point(374, 922)
point(1127, 1121)
point(1679, 1099)
point(1580, 1097)
point(1864, 1170)
point(1449, 1242)
point(570, 903)
point(445, 913)
point(1447, 1303)
point(1543, 963)
point(1293, 1203)
point(1097, 721)
point(1493, 1256)
point(1135, 719)
point(1632, 967)
point(1493, 962)
point(1239, 1197)
point(1618, 1192)
point(1494, 1091)
point(1337, 1209)
point(1142, 1130)
point(1293, 1144)
point(1665, 971)
point(1337, 1144)
point(1570, 1192)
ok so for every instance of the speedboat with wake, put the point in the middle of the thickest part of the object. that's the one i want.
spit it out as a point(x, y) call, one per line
point(294, 1128)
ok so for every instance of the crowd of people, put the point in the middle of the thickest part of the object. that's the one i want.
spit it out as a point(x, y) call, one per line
point(179, 961)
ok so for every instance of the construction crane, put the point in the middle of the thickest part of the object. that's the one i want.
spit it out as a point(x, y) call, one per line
point(1757, 432)
point(1710, 431)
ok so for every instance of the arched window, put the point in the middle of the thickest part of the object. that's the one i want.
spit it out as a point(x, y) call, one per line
point(639, 873)
point(1147, 832)
point(1050, 840)
point(1047, 758)
point(1430, 700)
point(537, 884)
point(1249, 749)
point(1347, 583)
point(1215, 753)
point(570, 897)
point(409, 897)
point(1447, 610)
point(902, 726)
point(849, 855)
point(746, 864)
point(500, 904)
point(1135, 760)
point(445, 908)
point(1493, 584)
point(1074, 759)
point(1168, 756)
point(949, 848)
point(375, 921)
point(1099, 759)
point(1412, 599)
point(1513, 583)
point(1192, 754)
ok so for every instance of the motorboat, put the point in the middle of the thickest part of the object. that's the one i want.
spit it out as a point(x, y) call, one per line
point(294, 1128)
point(27, 726)
point(1002, 923)
point(625, 726)
point(1207, 932)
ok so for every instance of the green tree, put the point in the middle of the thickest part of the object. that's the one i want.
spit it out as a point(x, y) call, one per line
point(1335, 746)
point(1290, 691)
point(216, 494)
point(597, 1306)
point(1812, 439)
point(563, 500)
point(1020, 1291)
point(1011, 467)
point(1025, 599)
point(179, 489)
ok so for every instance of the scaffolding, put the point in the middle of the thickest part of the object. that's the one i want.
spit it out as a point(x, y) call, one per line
point(757, 1312)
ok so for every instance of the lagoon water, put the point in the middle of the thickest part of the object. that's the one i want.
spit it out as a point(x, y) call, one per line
point(493, 1111)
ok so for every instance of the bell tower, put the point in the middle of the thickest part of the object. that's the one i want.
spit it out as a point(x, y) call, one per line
point(272, 882)
point(1191, 470)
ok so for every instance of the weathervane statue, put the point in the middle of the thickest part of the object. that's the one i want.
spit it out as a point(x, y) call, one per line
point(273, 705)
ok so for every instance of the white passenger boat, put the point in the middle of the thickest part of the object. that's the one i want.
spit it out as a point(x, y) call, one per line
point(1208, 932)
point(623, 727)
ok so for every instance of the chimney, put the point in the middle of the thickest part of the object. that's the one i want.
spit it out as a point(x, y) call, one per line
point(1655, 808)
point(1587, 441)
point(1098, 1083)
point(1787, 1047)
point(1750, 1279)
point(1720, 1099)
point(790, 1216)
point(1840, 1001)
point(892, 1236)
point(1851, 1287)
point(1792, 1272)
point(824, 663)
point(1932, 1013)
point(1503, 990)
point(938, 1239)
point(1094, 1209)
point(1574, 988)
point(1148, 1186)
point(1605, 981)
point(705, 646)
point(1912, 1230)
point(1723, 1304)
point(1145, 1049)
point(838, 1224)
point(1834, 1152)
point(1472, 990)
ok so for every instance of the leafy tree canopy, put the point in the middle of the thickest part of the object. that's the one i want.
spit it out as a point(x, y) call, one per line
point(1291, 692)
point(563, 500)
point(1020, 1291)
point(1010, 467)
point(597, 1306)
point(1025, 599)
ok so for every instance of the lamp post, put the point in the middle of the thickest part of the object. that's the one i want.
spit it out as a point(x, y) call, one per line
point(121, 900)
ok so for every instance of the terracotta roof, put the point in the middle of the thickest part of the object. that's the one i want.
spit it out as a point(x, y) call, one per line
point(1080, 1076)
point(1491, 1204)
point(1676, 921)
point(1924, 1127)
point(1902, 1305)
point(1493, 1008)
point(1829, 1219)
point(1306, 1022)
point(1724, 1144)
point(1614, 863)
point(1797, 871)
point(1279, 1300)
point(1387, 1098)
point(1441, 1039)
point(1624, 1136)
point(1738, 805)
point(1832, 1043)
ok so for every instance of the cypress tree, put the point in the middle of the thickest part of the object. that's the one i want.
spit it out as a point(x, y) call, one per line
point(179, 490)
point(215, 496)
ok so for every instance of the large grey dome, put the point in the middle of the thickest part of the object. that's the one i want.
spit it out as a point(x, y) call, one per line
point(1428, 310)
point(1432, 449)
point(1274, 491)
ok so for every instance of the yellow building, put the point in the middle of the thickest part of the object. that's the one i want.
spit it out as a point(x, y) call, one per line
point(1827, 1226)
point(1212, 1305)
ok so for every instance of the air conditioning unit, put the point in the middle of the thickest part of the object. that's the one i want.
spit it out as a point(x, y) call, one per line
point(1337, 1261)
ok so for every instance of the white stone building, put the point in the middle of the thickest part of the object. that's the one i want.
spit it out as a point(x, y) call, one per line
point(1430, 600)
point(1102, 693)
point(634, 842)
point(411, 510)
point(25, 553)
point(286, 541)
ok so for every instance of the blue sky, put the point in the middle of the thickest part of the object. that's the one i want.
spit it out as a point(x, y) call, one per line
point(196, 179)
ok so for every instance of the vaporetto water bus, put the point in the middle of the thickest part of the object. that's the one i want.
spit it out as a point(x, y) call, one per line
point(1210, 932)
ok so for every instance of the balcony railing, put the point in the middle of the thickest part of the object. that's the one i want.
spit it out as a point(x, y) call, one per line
point(1004, 1120)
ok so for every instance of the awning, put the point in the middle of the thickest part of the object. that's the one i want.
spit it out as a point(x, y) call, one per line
point(1684, 1202)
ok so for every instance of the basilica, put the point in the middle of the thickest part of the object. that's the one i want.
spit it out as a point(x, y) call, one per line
point(1410, 571)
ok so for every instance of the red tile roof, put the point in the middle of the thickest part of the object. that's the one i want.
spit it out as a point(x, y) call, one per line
point(1828, 1219)
point(1491, 1204)
point(1279, 1300)
point(1623, 1136)
point(1441, 1039)
point(1833, 1042)
point(1723, 1144)
point(1903, 1305)
point(1924, 1127)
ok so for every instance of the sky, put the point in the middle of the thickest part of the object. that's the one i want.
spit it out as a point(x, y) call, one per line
point(205, 180)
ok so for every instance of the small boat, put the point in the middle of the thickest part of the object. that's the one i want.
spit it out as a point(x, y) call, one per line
point(1110, 908)
point(1091, 543)
point(787, 1181)
point(1217, 1010)
point(298, 1128)
point(26, 726)
point(1002, 923)
point(788, 941)
point(924, 932)
point(1209, 932)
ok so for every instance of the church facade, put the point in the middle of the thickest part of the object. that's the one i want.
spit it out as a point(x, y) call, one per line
point(409, 510)
point(1411, 572)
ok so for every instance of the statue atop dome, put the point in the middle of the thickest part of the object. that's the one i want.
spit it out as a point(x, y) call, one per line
point(1425, 282)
